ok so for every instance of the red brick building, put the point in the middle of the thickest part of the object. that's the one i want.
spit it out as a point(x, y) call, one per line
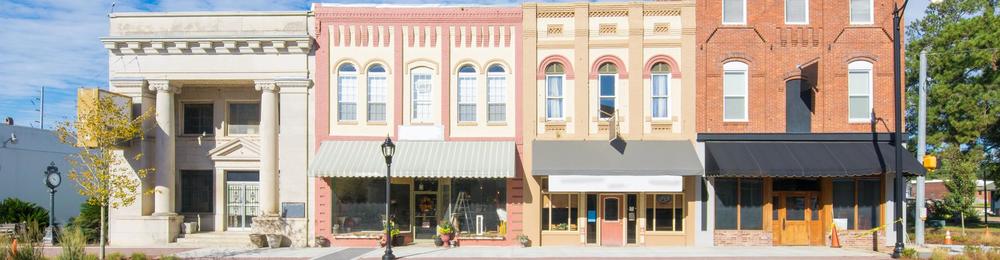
point(794, 107)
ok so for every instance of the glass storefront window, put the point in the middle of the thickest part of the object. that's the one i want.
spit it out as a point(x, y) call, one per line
point(857, 197)
point(486, 203)
point(560, 212)
point(739, 199)
point(664, 212)
point(359, 205)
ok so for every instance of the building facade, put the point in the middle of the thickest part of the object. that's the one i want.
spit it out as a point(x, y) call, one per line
point(25, 153)
point(609, 112)
point(441, 82)
point(795, 107)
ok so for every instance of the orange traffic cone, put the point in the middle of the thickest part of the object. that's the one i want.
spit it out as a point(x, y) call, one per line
point(835, 239)
point(947, 237)
point(13, 247)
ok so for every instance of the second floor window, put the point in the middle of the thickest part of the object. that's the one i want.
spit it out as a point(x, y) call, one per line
point(861, 11)
point(244, 118)
point(467, 94)
point(496, 93)
point(347, 92)
point(796, 11)
point(734, 12)
point(734, 81)
point(377, 85)
point(607, 92)
point(554, 76)
point(859, 91)
point(198, 119)
point(421, 94)
point(660, 81)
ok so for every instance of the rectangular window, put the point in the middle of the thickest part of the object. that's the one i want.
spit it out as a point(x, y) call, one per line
point(660, 100)
point(665, 212)
point(347, 98)
point(496, 93)
point(735, 96)
point(359, 205)
point(421, 97)
point(607, 93)
point(861, 11)
point(467, 98)
point(198, 119)
point(554, 97)
point(734, 12)
point(484, 197)
point(196, 192)
point(796, 11)
point(244, 118)
point(739, 204)
point(859, 92)
point(857, 202)
point(560, 212)
point(376, 98)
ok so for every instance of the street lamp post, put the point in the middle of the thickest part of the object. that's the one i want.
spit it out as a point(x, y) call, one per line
point(388, 149)
point(52, 180)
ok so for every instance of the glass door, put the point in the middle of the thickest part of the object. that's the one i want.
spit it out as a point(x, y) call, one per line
point(242, 201)
point(426, 207)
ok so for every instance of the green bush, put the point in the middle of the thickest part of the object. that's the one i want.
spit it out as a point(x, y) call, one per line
point(139, 256)
point(170, 257)
point(27, 248)
point(13, 210)
point(73, 244)
point(115, 256)
point(910, 253)
point(89, 221)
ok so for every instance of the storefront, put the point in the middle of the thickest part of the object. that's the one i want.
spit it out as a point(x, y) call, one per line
point(781, 189)
point(465, 183)
point(616, 194)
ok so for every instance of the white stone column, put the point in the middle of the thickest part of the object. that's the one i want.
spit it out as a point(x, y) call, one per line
point(163, 195)
point(293, 159)
point(269, 147)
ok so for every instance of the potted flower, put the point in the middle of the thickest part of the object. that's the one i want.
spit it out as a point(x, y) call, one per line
point(445, 230)
point(523, 239)
point(394, 238)
point(437, 240)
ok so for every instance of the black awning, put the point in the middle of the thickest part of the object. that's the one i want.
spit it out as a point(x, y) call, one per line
point(804, 159)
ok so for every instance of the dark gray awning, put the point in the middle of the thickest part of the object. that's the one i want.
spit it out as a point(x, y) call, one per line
point(621, 158)
point(804, 159)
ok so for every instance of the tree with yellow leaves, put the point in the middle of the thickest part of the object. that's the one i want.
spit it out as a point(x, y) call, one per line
point(104, 126)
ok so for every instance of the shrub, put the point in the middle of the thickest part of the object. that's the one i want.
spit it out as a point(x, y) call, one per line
point(73, 244)
point(910, 253)
point(940, 253)
point(139, 256)
point(170, 257)
point(13, 210)
point(89, 221)
point(27, 249)
point(115, 256)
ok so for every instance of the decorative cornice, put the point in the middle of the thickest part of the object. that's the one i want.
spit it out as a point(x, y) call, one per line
point(162, 85)
point(418, 15)
point(609, 13)
point(265, 85)
point(213, 45)
point(662, 12)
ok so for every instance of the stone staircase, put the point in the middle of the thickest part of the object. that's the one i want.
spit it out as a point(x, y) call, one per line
point(227, 239)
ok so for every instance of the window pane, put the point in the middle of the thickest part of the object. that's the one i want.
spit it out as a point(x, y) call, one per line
point(795, 208)
point(775, 207)
point(679, 213)
point(659, 85)
point(467, 98)
point(560, 212)
point(611, 209)
point(795, 11)
point(659, 107)
point(650, 212)
point(196, 185)
point(732, 11)
point(843, 201)
point(376, 112)
point(421, 96)
point(735, 83)
point(725, 203)
point(498, 112)
point(859, 108)
point(244, 118)
point(735, 108)
point(664, 212)
point(359, 204)
point(861, 11)
point(497, 95)
point(607, 107)
point(554, 86)
point(467, 112)
point(751, 203)
point(868, 203)
point(198, 119)
point(376, 89)
point(347, 111)
point(607, 85)
point(554, 108)
point(574, 213)
point(485, 197)
point(347, 96)
point(858, 83)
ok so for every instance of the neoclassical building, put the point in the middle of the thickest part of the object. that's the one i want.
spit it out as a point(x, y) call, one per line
point(230, 140)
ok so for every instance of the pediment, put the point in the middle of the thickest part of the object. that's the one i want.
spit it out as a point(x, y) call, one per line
point(239, 149)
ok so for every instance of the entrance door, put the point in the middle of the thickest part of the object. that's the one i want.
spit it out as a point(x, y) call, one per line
point(612, 222)
point(795, 217)
point(798, 106)
point(242, 204)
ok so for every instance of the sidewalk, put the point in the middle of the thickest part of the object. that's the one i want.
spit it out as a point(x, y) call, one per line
point(603, 253)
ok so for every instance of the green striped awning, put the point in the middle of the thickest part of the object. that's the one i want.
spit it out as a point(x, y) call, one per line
point(428, 159)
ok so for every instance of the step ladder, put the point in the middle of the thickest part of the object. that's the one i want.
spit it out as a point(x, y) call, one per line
point(462, 207)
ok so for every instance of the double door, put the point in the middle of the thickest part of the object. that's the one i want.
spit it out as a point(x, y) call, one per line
point(796, 218)
point(242, 204)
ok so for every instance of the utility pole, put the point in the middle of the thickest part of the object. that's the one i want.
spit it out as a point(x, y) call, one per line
point(921, 150)
point(41, 110)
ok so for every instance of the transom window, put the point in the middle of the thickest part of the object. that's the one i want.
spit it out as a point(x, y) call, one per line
point(606, 78)
point(861, 11)
point(377, 90)
point(554, 77)
point(496, 93)
point(665, 212)
point(421, 86)
point(859, 90)
point(347, 92)
point(735, 86)
point(660, 83)
point(796, 11)
point(734, 12)
point(467, 94)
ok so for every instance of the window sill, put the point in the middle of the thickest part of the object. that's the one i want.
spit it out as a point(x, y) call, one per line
point(735, 121)
point(564, 232)
point(207, 136)
point(555, 122)
point(347, 122)
point(496, 123)
point(421, 123)
point(665, 233)
point(859, 121)
point(468, 123)
point(376, 123)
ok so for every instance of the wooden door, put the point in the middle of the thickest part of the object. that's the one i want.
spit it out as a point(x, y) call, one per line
point(612, 221)
point(795, 218)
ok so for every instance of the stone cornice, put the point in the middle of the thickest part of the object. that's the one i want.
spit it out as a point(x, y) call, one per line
point(208, 45)
point(345, 14)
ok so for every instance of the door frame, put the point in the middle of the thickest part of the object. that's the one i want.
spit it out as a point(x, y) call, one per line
point(813, 232)
point(621, 219)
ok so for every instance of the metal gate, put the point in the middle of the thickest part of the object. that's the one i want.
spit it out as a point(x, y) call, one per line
point(242, 204)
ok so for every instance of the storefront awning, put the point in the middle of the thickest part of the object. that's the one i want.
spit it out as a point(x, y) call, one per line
point(629, 158)
point(804, 159)
point(430, 159)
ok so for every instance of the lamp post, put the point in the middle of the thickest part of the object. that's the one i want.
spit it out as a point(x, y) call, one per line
point(52, 180)
point(388, 149)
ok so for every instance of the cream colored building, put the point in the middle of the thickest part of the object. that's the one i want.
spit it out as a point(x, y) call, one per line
point(231, 137)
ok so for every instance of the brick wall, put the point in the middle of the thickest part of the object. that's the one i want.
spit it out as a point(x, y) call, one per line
point(860, 239)
point(774, 51)
point(742, 238)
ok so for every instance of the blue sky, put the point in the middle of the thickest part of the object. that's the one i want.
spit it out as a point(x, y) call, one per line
point(55, 44)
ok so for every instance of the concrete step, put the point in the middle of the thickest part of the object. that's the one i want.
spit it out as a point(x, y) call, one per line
point(214, 239)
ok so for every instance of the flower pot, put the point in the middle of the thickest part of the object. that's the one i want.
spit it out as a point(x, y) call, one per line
point(273, 240)
point(446, 239)
point(258, 240)
point(438, 242)
point(398, 240)
point(525, 242)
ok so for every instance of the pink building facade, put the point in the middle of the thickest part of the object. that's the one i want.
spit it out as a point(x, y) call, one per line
point(442, 83)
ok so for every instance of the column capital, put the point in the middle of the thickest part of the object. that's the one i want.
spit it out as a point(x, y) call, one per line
point(162, 85)
point(265, 85)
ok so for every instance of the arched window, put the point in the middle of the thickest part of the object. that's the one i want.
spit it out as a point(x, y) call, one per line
point(496, 93)
point(347, 92)
point(735, 85)
point(377, 91)
point(859, 91)
point(555, 74)
point(606, 77)
point(421, 86)
point(467, 93)
point(660, 93)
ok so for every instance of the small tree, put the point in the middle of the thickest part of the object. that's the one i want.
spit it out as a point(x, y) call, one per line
point(103, 127)
point(959, 170)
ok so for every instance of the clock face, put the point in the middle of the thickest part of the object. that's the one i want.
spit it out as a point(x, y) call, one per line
point(54, 179)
